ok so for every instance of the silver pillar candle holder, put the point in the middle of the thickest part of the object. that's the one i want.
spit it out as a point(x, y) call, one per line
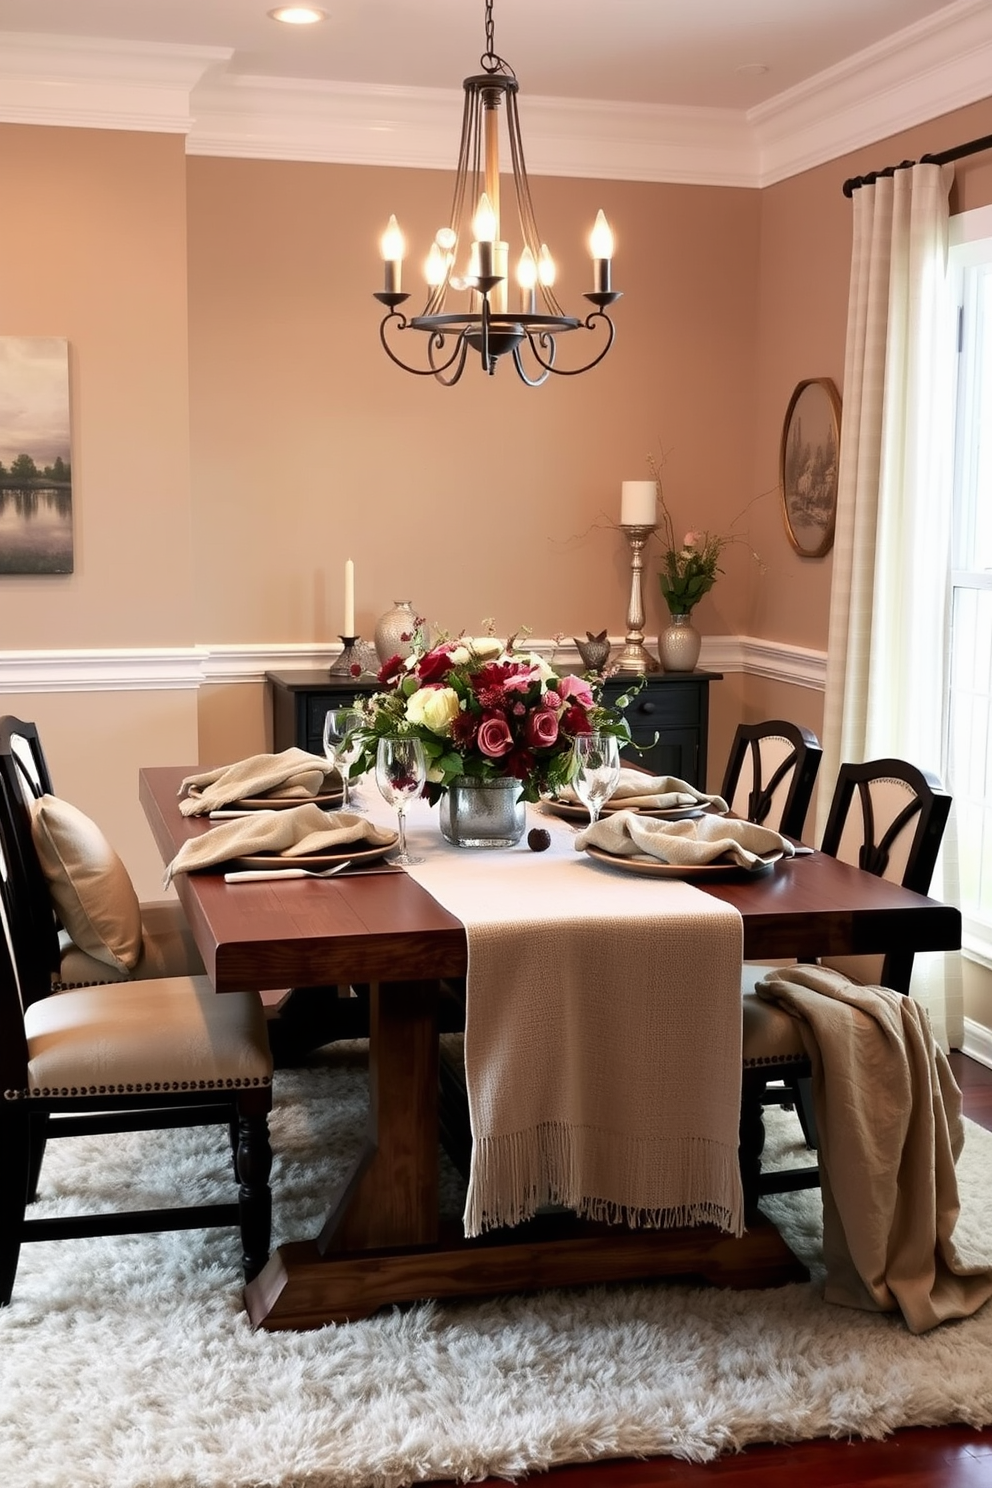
point(635, 657)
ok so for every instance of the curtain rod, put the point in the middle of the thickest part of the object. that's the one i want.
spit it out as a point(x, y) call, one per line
point(943, 157)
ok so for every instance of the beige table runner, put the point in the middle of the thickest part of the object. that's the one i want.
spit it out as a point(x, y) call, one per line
point(603, 1035)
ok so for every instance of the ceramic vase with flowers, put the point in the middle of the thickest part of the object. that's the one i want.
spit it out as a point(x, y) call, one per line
point(688, 572)
point(497, 725)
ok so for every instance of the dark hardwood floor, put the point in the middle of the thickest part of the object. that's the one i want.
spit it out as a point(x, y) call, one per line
point(937, 1457)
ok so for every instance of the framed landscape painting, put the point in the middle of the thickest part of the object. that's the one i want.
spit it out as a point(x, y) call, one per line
point(35, 456)
point(808, 468)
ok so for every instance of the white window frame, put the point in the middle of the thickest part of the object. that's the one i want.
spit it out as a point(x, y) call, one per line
point(970, 254)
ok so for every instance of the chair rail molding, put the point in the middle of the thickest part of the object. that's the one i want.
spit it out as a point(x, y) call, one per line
point(186, 668)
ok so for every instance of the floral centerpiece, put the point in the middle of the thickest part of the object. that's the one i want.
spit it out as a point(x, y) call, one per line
point(486, 710)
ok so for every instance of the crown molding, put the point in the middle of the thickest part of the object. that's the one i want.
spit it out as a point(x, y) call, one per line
point(917, 74)
point(931, 68)
point(82, 83)
point(416, 128)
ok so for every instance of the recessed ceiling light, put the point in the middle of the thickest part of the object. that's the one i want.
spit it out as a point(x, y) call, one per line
point(752, 69)
point(298, 15)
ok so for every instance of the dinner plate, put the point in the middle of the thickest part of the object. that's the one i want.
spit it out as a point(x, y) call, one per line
point(348, 852)
point(705, 871)
point(575, 811)
point(282, 803)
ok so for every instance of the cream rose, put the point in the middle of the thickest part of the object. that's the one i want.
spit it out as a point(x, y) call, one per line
point(435, 708)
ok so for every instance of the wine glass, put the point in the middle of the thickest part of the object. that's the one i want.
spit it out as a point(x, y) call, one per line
point(341, 743)
point(598, 759)
point(400, 772)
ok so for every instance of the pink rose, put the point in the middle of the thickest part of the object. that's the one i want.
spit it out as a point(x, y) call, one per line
point(691, 539)
point(494, 738)
point(542, 728)
point(551, 700)
point(576, 688)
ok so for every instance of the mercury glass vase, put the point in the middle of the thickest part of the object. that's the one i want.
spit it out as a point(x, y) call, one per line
point(482, 813)
point(678, 644)
point(394, 631)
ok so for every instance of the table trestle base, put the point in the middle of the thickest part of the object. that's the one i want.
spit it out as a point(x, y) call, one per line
point(300, 1289)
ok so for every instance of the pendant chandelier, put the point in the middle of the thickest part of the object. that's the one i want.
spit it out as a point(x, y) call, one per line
point(485, 321)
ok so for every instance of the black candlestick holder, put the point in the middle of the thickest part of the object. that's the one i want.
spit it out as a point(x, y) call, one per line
point(351, 661)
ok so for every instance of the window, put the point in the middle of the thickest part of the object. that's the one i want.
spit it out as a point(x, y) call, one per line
point(968, 765)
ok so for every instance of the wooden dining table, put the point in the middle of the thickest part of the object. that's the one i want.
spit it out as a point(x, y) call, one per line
point(383, 1239)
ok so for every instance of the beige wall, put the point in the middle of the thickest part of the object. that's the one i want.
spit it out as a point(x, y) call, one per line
point(487, 499)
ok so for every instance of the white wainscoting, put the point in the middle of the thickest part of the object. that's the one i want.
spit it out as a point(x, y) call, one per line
point(183, 668)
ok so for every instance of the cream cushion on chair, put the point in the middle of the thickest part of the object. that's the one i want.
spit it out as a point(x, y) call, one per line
point(90, 886)
point(171, 1035)
point(107, 935)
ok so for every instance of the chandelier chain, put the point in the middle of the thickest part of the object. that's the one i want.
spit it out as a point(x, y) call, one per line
point(491, 61)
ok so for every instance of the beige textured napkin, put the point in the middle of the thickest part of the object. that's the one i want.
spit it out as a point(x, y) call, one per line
point(294, 772)
point(662, 792)
point(294, 832)
point(687, 843)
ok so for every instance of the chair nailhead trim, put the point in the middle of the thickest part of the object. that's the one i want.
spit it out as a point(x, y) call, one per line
point(772, 1059)
point(157, 1087)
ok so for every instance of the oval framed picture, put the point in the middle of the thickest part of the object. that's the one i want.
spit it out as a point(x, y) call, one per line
point(808, 466)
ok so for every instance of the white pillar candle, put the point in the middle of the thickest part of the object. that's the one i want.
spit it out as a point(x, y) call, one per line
point(639, 504)
point(349, 599)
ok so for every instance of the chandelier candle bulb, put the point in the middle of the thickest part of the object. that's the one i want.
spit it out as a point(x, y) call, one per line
point(484, 227)
point(349, 598)
point(639, 504)
point(393, 248)
point(601, 243)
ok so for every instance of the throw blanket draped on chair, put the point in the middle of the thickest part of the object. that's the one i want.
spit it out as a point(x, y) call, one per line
point(888, 1112)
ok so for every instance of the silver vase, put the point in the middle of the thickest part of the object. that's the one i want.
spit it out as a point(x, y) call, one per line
point(678, 644)
point(483, 813)
point(394, 631)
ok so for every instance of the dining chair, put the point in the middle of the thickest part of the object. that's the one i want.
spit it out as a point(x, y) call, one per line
point(121, 1057)
point(79, 900)
point(887, 817)
point(770, 774)
point(93, 885)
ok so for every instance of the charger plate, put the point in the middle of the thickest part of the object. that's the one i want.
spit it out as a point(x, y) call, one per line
point(349, 852)
point(283, 803)
point(575, 811)
point(705, 871)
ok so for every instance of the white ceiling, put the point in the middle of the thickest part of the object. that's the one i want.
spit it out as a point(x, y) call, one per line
point(721, 92)
point(703, 53)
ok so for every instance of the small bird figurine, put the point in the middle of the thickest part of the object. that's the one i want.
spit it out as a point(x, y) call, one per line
point(594, 650)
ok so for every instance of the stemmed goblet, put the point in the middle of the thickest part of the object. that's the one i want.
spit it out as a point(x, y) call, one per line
point(341, 745)
point(400, 773)
point(598, 760)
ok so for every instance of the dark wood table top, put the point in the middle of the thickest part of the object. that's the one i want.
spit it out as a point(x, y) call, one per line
point(383, 928)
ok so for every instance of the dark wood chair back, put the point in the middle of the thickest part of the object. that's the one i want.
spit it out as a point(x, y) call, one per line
point(770, 774)
point(33, 925)
point(888, 817)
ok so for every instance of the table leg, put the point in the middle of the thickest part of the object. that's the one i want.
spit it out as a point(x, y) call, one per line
point(391, 1197)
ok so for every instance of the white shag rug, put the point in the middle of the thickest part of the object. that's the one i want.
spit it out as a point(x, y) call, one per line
point(128, 1362)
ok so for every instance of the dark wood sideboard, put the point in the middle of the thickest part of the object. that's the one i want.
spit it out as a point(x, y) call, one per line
point(673, 705)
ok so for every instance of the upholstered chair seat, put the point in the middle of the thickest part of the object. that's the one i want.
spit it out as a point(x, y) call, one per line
point(165, 1037)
